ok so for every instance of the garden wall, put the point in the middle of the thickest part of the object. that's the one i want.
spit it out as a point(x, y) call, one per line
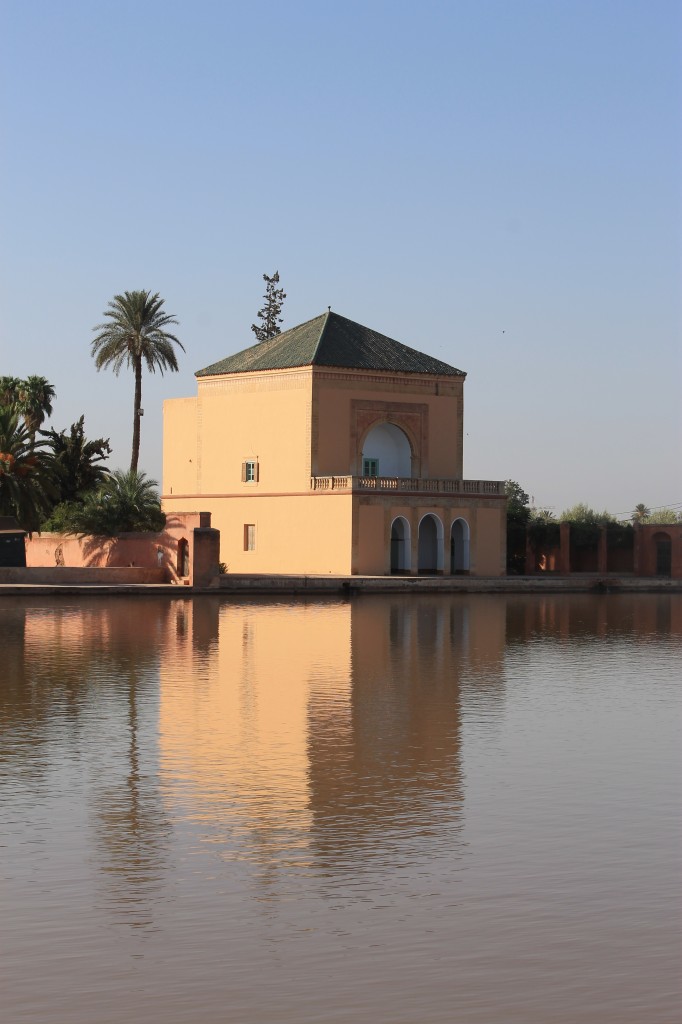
point(170, 554)
point(68, 576)
point(649, 550)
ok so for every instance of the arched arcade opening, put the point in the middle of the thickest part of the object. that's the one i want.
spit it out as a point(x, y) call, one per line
point(401, 554)
point(430, 545)
point(459, 546)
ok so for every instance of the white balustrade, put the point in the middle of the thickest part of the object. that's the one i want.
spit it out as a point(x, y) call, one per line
point(411, 484)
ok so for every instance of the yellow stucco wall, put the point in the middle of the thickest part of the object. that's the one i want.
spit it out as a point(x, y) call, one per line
point(445, 441)
point(345, 402)
point(371, 553)
point(263, 417)
point(180, 446)
point(294, 534)
point(490, 540)
point(256, 416)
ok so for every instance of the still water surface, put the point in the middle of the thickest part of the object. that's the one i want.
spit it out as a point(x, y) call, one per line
point(391, 810)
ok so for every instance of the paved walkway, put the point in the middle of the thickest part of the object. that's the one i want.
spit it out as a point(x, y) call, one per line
point(231, 585)
point(576, 583)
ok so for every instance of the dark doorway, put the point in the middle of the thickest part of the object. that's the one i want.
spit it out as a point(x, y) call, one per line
point(459, 546)
point(428, 545)
point(183, 558)
point(400, 546)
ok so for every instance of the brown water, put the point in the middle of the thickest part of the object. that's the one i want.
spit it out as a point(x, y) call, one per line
point(385, 810)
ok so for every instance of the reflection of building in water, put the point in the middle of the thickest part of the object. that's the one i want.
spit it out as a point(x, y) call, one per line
point(398, 768)
point(313, 726)
point(234, 725)
point(68, 655)
point(93, 667)
point(484, 678)
point(589, 616)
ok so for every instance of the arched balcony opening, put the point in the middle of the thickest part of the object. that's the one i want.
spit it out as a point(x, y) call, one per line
point(387, 452)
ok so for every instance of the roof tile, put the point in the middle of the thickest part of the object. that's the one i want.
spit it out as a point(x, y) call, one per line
point(331, 340)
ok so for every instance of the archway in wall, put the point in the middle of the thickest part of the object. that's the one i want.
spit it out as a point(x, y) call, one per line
point(459, 546)
point(400, 545)
point(430, 546)
point(386, 452)
point(664, 554)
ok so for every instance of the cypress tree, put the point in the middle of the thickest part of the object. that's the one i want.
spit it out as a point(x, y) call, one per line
point(269, 315)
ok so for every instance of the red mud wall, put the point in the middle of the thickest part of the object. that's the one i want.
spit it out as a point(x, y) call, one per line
point(646, 539)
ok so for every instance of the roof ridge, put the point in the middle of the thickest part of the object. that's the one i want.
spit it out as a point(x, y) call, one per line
point(321, 334)
point(304, 324)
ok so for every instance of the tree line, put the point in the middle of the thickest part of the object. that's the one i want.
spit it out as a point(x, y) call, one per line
point(519, 509)
point(542, 526)
point(57, 480)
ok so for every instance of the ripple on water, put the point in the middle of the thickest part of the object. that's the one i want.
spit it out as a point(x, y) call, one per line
point(456, 809)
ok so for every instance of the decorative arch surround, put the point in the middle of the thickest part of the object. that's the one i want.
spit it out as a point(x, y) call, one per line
point(401, 545)
point(430, 544)
point(411, 419)
point(460, 536)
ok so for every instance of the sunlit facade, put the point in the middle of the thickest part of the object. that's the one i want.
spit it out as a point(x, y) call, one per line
point(332, 449)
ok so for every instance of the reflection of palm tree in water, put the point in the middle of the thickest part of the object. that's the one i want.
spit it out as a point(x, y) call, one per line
point(132, 830)
point(80, 664)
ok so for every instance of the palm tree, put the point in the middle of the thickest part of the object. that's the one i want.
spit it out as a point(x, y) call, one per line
point(77, 460)
point(9, 390)
point(27, 483)
point(640, 514)
point(126, 502)
point(134, 333)
point(34, 401)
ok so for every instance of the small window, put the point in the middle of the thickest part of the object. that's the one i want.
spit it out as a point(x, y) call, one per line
point(250, 471)
point(249, 536)
point(370, 467)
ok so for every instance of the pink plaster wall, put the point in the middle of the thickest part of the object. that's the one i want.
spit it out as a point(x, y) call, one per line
point(141, 550)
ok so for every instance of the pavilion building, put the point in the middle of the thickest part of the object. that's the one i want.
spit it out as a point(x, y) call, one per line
point(333, 449)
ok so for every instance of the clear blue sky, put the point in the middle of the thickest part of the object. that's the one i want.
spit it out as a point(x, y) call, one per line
point(494, 183)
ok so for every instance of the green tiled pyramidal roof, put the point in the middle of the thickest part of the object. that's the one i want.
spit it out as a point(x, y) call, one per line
point(331, 340)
